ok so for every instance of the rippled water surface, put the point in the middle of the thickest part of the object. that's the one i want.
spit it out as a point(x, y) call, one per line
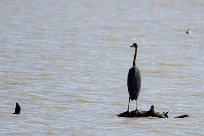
point(66, 63)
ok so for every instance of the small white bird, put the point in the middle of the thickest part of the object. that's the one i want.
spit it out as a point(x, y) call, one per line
point(188, 31)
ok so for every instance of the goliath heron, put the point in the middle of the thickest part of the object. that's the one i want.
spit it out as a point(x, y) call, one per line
point(134, 80)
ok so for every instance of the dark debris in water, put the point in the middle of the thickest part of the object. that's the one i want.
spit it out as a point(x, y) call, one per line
point(140, 113)
point(149, 113)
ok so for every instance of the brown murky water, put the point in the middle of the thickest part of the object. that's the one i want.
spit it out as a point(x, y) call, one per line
point(66, 63)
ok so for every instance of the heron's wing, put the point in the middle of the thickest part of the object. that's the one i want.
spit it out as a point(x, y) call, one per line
point(134, 83)
point(138, 82)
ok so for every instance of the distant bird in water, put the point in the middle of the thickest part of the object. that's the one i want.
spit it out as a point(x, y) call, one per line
point(188, 31)
point(17, 109)
point(134, 80)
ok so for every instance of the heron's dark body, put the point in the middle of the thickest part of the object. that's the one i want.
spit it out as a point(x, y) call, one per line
point(134, 82)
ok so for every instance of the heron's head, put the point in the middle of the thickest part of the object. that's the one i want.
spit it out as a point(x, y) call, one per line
point(134, 45)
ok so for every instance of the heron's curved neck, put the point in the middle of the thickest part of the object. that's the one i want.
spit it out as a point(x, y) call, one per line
point(135, 55)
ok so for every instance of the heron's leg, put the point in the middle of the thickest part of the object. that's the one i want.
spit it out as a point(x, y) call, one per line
point(136, 105)
point(128, 104)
